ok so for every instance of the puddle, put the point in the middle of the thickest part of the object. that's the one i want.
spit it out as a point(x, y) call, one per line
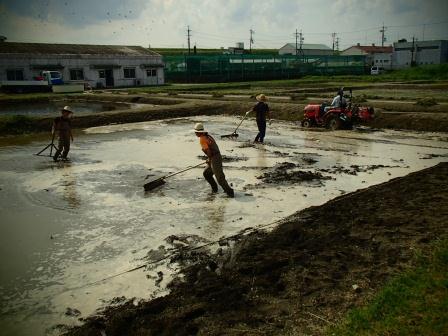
point(65, 225)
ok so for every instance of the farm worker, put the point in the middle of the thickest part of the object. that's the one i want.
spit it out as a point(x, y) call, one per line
point(214, 161)
point(62, 125)
point(262, 110)
point(338, 101)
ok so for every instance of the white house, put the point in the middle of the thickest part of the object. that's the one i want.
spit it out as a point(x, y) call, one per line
point(97, 65)
point(307, 49)
point(375, 55)
point(420, 53)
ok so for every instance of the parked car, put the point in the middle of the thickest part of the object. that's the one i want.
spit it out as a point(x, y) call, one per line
point(376, 70)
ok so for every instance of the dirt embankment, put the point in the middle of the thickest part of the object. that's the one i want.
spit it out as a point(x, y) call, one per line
point(172, 107)
point(300, 277)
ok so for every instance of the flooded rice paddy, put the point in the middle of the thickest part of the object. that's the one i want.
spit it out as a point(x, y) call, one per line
point(53, 108)
point(67, 225)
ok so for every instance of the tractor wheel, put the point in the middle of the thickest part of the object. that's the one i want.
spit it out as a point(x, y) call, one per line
point(306, 123)
point(334, 123)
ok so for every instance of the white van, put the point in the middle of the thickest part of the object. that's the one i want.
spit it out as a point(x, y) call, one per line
point(376, 70)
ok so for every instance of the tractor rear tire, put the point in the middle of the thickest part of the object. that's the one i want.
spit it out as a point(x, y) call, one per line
point(334, 124)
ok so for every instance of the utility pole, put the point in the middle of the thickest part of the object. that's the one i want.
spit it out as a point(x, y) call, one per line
point(297, 36)
point(383, 38)
point(251, 40)
point(333, 37)
point(301, 41)
point(413, 51)
point(337, 43)
point(188, 35)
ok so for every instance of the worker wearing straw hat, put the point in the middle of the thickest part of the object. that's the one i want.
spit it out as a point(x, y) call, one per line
point(262, 111)
point(214, 161)
point(62, 125)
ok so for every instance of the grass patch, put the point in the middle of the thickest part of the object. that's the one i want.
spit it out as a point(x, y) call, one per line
point(414, 303)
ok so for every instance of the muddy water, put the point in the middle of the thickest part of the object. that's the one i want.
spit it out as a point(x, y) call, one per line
point(66, 225)
point(54, 108)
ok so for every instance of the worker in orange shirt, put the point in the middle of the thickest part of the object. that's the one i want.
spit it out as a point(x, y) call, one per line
point(214, 161)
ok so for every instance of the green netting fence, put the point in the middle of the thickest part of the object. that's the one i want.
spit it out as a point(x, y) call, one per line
point(229, 68)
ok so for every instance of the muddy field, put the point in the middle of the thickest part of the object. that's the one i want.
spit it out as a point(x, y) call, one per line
point(68, 225)
point(420, 107)
point(301, 277)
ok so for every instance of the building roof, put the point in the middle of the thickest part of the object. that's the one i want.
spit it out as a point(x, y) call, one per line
point(308, 46)
point(372, 49)
point(73, 49)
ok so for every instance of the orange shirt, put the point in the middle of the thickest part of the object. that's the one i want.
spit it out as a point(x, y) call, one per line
point(208, 144)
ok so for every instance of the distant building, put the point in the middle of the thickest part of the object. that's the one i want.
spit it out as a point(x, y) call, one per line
point(375, 55)
point(237, 49)
point(420, 53)
point(307, 49)
point(97, 65)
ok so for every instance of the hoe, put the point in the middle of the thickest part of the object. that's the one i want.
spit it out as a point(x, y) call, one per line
point(161, 180)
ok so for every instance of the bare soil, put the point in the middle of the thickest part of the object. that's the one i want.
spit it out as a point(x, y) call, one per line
point(300, 277)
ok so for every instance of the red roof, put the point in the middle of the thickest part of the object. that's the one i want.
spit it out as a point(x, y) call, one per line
point(374, 49)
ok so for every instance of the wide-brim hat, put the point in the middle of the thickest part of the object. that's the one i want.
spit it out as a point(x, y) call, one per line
point(261, 97)
point(199, 128)
point(67, 109)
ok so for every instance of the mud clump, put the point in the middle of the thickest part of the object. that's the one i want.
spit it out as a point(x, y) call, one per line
point(287, 172)
point(354, 169)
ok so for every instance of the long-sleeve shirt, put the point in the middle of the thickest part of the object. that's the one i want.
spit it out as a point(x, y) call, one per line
point(337, 101)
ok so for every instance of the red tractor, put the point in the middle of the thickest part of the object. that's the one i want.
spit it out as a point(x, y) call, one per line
point(334, 118)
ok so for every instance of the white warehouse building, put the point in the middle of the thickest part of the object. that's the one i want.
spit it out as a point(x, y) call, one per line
point(96, 65)
point(407, 54)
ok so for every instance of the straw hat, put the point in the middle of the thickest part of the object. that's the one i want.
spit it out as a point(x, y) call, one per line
point(199, 128)
point(67, 108)
point(261, 97)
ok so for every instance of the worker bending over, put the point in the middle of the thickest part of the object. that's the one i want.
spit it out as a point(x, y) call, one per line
point(214, 161)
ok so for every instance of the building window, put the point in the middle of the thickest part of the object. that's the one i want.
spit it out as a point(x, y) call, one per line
point(129, 72)
point(102, 74)
point(16, 74)
point(151, 73)
point(76, 74)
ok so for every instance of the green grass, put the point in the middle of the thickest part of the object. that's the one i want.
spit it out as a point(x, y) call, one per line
point(414, 303)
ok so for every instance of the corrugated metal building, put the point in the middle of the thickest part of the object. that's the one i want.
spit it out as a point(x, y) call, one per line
point(97, 65)
point(307, 49)
point(420, 53)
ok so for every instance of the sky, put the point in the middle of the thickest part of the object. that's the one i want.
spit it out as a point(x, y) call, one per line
point(221, 23)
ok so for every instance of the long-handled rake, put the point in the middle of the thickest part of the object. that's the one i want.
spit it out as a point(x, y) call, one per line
point(235, 134)
point(51, 146)
point(161, 180)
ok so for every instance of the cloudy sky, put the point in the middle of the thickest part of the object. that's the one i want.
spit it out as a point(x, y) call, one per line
point(220, 23)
